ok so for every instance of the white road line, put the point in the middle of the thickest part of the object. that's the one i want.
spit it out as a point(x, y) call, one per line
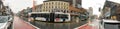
point(81, 26)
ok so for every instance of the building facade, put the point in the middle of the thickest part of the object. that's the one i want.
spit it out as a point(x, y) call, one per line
point(74, 3)
point(37, 8)
point(2, 8)
point(90, 11)
point(70, 1)
point(111, 10)
point(62, 6)
point(57, 6)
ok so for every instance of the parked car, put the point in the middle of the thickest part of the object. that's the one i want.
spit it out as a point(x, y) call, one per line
point(111, 24)
point(5, 22)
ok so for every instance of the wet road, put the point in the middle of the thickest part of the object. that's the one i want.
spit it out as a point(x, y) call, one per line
point(47, 25)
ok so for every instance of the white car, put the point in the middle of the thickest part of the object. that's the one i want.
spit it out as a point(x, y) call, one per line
point(4, 22)
point(110, 21)
point(111, 24)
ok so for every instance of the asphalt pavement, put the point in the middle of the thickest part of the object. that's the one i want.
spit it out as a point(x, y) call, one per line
point(68, 25)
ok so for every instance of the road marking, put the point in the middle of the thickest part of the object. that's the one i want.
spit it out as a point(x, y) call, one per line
point(81, 26)
point(33, 25)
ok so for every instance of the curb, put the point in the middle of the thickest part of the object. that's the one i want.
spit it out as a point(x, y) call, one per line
point(32, 25)
point(81, 26)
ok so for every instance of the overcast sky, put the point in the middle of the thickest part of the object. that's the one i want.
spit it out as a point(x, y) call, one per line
point(18, 5)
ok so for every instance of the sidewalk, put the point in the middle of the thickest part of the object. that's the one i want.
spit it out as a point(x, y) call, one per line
point(93, 25)
point(20, 24)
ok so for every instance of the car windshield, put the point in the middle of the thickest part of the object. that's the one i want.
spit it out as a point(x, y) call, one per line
point(3, 19)
point(112, 25)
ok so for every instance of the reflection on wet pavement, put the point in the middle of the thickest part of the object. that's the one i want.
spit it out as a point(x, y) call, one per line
point(47, 25)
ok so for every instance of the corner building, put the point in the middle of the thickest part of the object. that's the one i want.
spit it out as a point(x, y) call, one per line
point(55, 6)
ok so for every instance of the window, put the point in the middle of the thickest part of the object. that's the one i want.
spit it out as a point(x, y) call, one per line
point(64, 11)
point(58, 3)
point(52, 2)
point(63, 3)
point(49, 6)
point(67, 11)
point(45, 7)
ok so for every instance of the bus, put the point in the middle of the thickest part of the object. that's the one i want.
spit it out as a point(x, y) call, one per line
point(50, 17)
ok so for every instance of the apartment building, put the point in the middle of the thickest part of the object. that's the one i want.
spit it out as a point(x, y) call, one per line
point(55, 6)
